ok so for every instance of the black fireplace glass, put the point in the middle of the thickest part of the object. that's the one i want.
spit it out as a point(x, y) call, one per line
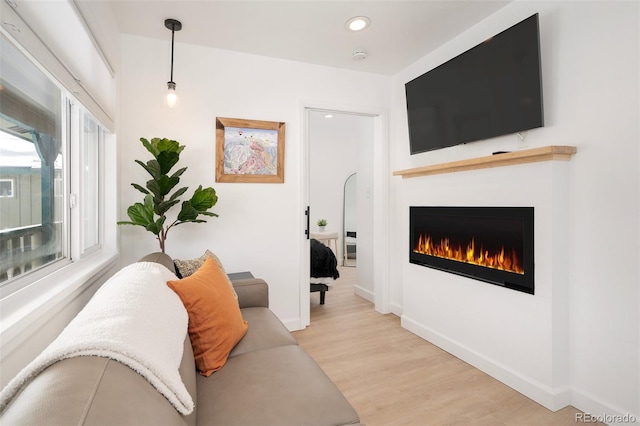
point(490, 244)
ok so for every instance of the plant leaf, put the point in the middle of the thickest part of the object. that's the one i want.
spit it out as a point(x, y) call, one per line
point(167, 145)
point(154, 169)
point(166, 152)
point(154, 187)
point(166, 184)
point(209, 214)
point(139, 188)
point(167, 160)
point(192, 221)
point(141, 214)
point(178, 193)
point(164, 206)
point(150, 147)
point(203, 199)
point(179, 172)
point(156, 227)
point(187, 213)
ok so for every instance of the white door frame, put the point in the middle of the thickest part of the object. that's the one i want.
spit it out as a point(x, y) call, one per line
point(381, 176)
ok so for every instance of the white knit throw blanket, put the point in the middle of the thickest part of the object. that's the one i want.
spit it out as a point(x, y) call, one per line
point(135, 319)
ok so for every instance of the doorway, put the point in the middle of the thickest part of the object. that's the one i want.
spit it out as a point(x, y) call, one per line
point(339, 143)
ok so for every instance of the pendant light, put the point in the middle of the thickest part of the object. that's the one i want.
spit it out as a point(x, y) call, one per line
point(173, 25)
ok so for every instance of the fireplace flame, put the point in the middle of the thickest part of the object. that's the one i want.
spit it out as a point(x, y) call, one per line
point(506, 261)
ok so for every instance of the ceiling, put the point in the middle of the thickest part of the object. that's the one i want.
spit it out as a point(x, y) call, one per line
point(400, 33)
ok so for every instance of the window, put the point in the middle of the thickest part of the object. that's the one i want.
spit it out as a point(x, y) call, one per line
point(39, 227)
point(91, 142)
point(6, 188)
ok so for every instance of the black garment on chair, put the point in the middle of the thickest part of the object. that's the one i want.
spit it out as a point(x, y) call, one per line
point(323, 265)
point(323, 261)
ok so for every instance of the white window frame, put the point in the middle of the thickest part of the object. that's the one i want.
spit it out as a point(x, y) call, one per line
point(12, 193)
point(72, 182)
point(82, 114)
point(28, 300)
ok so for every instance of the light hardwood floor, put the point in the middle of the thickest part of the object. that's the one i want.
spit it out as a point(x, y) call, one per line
point(393, 377)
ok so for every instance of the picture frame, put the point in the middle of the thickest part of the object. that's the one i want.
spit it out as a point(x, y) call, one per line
point(249, 151)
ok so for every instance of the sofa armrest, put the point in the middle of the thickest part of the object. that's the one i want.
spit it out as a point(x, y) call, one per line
point(160, 258)
point(252, 292)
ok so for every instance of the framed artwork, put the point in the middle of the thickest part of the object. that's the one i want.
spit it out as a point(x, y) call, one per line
point(249, 151)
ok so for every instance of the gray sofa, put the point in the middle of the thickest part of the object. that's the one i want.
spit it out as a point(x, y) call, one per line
point(267, 380)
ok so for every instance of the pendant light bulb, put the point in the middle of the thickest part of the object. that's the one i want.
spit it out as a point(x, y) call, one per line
point(172, 98)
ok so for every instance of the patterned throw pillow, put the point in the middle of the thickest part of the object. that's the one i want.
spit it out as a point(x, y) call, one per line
point(188, 267)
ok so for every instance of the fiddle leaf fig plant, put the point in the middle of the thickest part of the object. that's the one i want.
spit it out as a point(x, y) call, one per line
point(158, 196)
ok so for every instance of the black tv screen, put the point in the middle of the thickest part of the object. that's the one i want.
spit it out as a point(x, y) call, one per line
point(490, 90)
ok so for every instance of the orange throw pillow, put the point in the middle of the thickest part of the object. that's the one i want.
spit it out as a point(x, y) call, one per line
point(215, 320)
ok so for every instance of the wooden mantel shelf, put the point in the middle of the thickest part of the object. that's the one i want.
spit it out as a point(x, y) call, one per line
point(545, 153)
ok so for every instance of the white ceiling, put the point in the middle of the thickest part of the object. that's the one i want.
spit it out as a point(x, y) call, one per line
point(401, 31)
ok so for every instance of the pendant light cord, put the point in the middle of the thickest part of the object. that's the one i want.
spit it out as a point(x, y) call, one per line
point(173, 25)
point(172, 37)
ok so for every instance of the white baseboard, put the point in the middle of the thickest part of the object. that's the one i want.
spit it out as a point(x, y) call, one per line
point(598, 410)
point(365, 294)
point(551, 398)
point(293, 324)
point(396, 309)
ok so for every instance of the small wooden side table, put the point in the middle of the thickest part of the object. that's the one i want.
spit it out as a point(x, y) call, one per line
point(327, 238)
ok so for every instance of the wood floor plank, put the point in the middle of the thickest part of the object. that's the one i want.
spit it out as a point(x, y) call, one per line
point(393, 377)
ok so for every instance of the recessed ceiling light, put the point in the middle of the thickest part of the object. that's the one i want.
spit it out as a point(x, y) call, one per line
point(358, 23)
point(328, 116)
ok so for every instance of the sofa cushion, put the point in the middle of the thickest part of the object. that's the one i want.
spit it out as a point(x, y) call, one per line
point(215, 321)
point(275, 386)
point(266, 331)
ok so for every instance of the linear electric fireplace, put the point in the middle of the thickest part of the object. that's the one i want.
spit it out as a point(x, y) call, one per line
point(491, 244)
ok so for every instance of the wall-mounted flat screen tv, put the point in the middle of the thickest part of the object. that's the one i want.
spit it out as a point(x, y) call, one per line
point(490, 90)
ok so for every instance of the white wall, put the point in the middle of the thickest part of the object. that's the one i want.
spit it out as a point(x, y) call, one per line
point(590, 67)
point(365, 247)
point(261, 226)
